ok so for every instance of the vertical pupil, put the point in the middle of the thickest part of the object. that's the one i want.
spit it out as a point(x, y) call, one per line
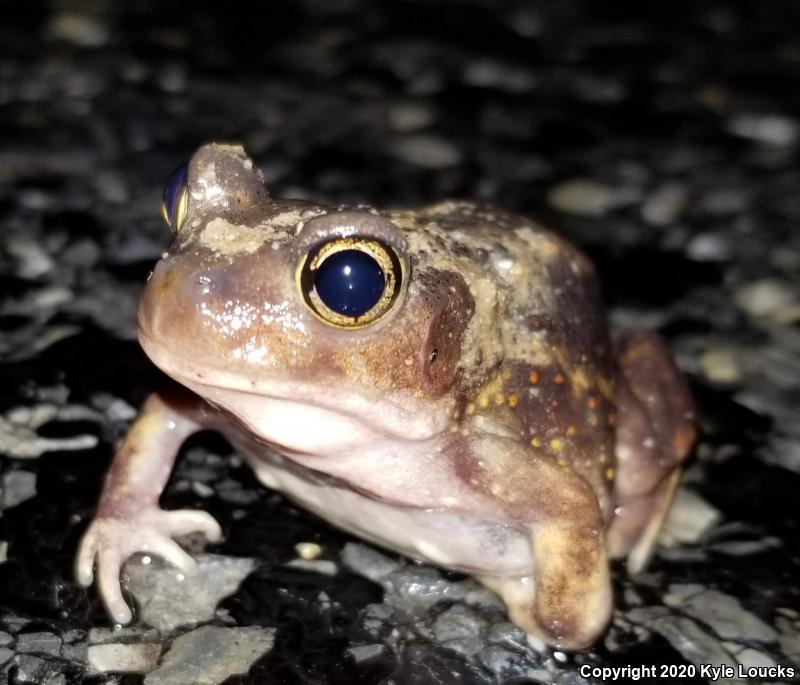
point(172, 192)
point(350, 282)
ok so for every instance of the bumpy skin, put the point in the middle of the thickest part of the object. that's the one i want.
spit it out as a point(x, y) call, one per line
point(484, 424)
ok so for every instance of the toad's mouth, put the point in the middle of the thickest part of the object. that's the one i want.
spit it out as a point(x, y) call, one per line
point(303, 416)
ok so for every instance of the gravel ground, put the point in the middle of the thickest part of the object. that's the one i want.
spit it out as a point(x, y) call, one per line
point(663, 141)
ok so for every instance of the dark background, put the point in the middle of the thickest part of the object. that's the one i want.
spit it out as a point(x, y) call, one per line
point(663, 139)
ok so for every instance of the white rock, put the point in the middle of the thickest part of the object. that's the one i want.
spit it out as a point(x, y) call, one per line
point(723, 613)
point(587, 197)
point(427, 151)
point(210, 654)
point(689, 519)
point(768, 298)
point(772, 129)
point(139, 657)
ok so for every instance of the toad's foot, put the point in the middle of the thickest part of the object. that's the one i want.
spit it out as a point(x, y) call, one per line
point(109, 541)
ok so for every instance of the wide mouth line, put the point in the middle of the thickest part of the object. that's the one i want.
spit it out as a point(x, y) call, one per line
point(349, 404)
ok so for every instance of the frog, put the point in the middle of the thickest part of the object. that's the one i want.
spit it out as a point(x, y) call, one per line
point(440, 382)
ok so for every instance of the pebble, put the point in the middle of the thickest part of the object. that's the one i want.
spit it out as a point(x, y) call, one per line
point(39, 643)
point(784, 450)
point(502, 661)
point(31, 669)
point(415, 589)
point(84, 30)
point(407, 117)
point(323, 566)
point(492, 74)
point(426, 151)
point(743, 548)
point(20, 442)
point(685, 635)
point(169, 600)
point(16, 487)
point(363, 653)
point(788, 638)
point(721, 365)
point(138, 657)
point(710, 246)
point(586, 197)
point(308, 550)
point(723, 613)
point(749, 657)
point(769, 129)
point(457, 623)
point(664, 205)
point(210, 654)
point(689, 519)
point(368, 562)
point(32, 260)
point(720, 202)
point(770, 299)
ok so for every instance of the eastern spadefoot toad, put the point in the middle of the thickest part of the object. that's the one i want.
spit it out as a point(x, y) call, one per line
point(439, 382)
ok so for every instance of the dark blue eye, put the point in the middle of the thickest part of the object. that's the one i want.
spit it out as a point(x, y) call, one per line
point(173, 206)
point(350, 282)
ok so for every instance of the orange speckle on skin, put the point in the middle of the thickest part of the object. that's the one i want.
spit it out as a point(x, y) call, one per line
point(535, 442)
point(591, 402)
point(610, 473)
point(571, 430)
point(559, 378)
point(533, 377)
point(513, 400)
point(556, 443)
point(553, 403)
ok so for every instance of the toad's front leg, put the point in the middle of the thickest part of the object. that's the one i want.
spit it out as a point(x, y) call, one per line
point(566, 601)
point(128, 518)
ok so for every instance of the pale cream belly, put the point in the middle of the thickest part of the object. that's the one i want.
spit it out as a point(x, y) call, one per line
point(442, 538)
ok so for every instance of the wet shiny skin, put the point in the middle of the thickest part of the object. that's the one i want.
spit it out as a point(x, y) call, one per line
point(481, 422)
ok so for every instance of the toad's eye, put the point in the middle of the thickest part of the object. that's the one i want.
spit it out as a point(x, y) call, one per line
point(350, 282)
point(173, 205)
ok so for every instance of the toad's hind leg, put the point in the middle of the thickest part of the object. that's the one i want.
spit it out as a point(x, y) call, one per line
point(655, 431)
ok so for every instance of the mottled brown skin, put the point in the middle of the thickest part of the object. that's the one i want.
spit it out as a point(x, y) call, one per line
point(484, 423)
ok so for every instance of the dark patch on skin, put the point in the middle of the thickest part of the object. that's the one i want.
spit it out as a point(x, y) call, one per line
point(463, 463)
point(401, 358)
point(450, 304)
